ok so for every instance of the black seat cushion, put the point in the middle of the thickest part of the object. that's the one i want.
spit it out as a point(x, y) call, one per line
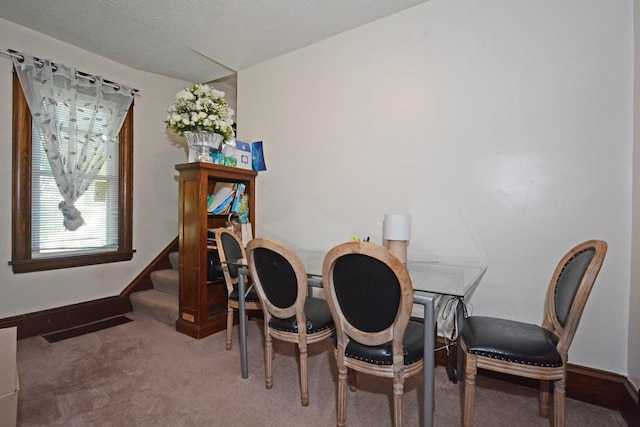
point(413, 346)
point(252, 296)
point(511, 341)
point(318, 315)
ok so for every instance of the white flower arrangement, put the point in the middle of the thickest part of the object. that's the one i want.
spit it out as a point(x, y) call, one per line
point(201, 108)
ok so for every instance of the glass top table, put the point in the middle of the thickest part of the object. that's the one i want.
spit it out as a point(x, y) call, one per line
point(451, 278)
point(430, 280)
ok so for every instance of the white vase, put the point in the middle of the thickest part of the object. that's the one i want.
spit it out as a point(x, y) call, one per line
point(203, 141)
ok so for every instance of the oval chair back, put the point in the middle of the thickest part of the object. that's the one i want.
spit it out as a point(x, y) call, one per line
point(370, 294)
point(230, 248)
point(529, 350)
point(569, 289)
point(290, 314)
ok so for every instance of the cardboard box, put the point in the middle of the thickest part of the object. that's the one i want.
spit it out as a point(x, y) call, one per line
point(243, 155)
point(8, 377)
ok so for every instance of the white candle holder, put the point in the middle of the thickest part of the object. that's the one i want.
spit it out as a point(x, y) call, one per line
point(396, 230)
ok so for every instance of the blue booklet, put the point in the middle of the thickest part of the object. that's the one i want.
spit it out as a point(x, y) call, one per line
point(257, 156)
point(237, 201)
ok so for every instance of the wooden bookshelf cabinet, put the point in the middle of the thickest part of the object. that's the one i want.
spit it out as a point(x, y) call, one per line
point(203, 303)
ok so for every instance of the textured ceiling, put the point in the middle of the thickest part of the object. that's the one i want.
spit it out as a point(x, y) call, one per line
point(194, 40)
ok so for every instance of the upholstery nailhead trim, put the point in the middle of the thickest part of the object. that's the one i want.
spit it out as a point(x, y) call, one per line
point(375, 362)
point(247, 299)
point(511, 360)
point(329, 326)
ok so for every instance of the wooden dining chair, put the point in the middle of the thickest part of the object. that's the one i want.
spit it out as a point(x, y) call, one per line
point(290, 314)
point(230, 248)
point(370, 295)
point(532, 351)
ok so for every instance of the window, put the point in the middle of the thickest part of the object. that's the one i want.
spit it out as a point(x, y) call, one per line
point(39, 240)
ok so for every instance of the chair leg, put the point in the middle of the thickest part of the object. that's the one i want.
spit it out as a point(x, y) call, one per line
point(558, 403)
point(470, 372)
point(351, 377)
point(544, 398)
point(268, 359)
point(342, 396)
point(304, 386)
point(398, 392)
point(229, 327)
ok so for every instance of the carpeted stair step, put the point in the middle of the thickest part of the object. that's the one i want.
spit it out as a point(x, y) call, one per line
point(161, 302)
point(156, 304)
point(167, 280)
point(174, 259)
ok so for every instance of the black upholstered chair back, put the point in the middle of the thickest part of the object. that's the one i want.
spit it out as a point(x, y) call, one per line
point(280, 278)
point(277, 277)
point(231, 250)
point(365, 285)
point(569, 281)
point(369, 292)
point(569, 290)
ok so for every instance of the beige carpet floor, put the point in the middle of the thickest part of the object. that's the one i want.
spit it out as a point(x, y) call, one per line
point(144, 373)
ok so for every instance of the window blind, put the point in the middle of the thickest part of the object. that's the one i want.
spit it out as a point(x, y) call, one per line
point(98, 205)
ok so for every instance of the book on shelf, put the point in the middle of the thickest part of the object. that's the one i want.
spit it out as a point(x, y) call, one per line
point(221, 192)
point(228, 198)
point(211, 239)
point(211, 234)
point(244, 204)
point(237, 200)
point(225, 206)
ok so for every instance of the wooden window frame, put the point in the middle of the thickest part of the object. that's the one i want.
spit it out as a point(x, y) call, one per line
point(21, 215)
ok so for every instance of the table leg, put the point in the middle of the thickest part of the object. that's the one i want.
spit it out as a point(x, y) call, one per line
point(429, 362)
point(460, 318)
point(429, 354)
point(243, 325)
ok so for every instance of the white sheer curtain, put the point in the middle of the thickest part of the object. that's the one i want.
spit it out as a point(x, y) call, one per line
point(78, 119)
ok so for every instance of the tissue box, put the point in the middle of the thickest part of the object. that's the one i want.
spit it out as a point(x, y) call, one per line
point(243, 155)
point(8, 377)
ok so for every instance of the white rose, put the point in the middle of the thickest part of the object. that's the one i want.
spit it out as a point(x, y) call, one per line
point(182, 95)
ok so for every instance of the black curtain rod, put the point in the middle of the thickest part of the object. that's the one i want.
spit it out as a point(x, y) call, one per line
point(40, 63)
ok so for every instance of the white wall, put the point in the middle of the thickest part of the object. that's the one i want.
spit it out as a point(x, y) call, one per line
point(228, 86)
point(634, 296)
point(503, 127)
point(155, 213)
